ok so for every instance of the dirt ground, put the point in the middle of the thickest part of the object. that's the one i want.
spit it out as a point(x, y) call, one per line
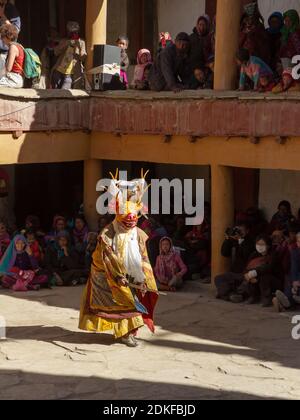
point(203, 349)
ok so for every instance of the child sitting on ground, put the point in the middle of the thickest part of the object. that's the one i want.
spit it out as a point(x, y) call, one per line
point(123, 43)
point(266, 83)
point(287, 83)
point(34, 245)
point(202, 79)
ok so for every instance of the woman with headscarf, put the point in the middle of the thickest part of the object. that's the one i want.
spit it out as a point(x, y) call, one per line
point(169, 268)
point(144, 60)
point(276, 23)
point(201, 42)
point(253, 35)
point(290, 41)
point(19, 267)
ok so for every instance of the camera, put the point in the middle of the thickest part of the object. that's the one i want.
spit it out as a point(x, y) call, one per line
point(232, 232)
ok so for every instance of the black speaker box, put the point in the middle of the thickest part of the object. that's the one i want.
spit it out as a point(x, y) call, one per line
point(107, 54)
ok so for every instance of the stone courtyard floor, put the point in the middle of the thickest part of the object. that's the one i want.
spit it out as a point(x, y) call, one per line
point(203, 349)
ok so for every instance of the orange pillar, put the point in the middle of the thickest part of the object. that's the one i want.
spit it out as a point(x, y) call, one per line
point(222, 214)
point(92, 174)
point(227, 42)
point(96, 21)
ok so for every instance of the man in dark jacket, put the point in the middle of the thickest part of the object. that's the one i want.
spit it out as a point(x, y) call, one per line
point(170, 70)
point(238, 247)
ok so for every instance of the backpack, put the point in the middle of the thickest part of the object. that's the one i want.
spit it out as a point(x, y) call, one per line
point(32, 64)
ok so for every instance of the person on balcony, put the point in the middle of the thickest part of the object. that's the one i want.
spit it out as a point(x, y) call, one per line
point(12, 75)
point(8, 14)
point(251, 67)
point(123, 44)
point(276, 23)
point(253, 35)
point(290, 41)
point(287, 83)
point(201, 42)
point(71, 53)
point(144, 60)
point(48, 58)
point(170, 71)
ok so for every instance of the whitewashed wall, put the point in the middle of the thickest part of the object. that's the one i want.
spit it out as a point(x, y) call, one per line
point(267, 7)
point(275, 186)
point(176, 16)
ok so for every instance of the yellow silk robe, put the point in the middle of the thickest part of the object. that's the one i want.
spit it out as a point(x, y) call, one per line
point(107, 306)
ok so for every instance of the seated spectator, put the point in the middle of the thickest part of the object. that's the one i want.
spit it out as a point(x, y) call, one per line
point(266, 82)
point(20, 268)
point(238, 246)
point(282, 219)
point(203, 78)
point(71, 54)
point(12, 75)
point(34, 245)
point(276, 23)
point(197, 254)
point(201, 43)
point(261, 274)
point(291, 295)
point(170, 70)
point(290, 41)
point(9, 14)
point(59, 225)
point(144, 60)
point(251, 67)
point(4, 239)
point(287, 83)
point(123, 44)
point(62, 262)
point(253, 36)
point(282, 251)
point(80, 237)
point(169, 267)
point(33, 223)
point(144, 84)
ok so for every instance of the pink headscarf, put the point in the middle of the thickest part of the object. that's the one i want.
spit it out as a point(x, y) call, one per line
point(166, 262)
point(139, 70)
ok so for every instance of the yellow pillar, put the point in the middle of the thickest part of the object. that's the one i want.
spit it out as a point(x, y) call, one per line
point(227, 41)
point(96, 17)
point(92, 174)
point(222, 214)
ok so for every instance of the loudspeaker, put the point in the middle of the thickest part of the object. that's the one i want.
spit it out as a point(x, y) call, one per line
point(108, 58)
